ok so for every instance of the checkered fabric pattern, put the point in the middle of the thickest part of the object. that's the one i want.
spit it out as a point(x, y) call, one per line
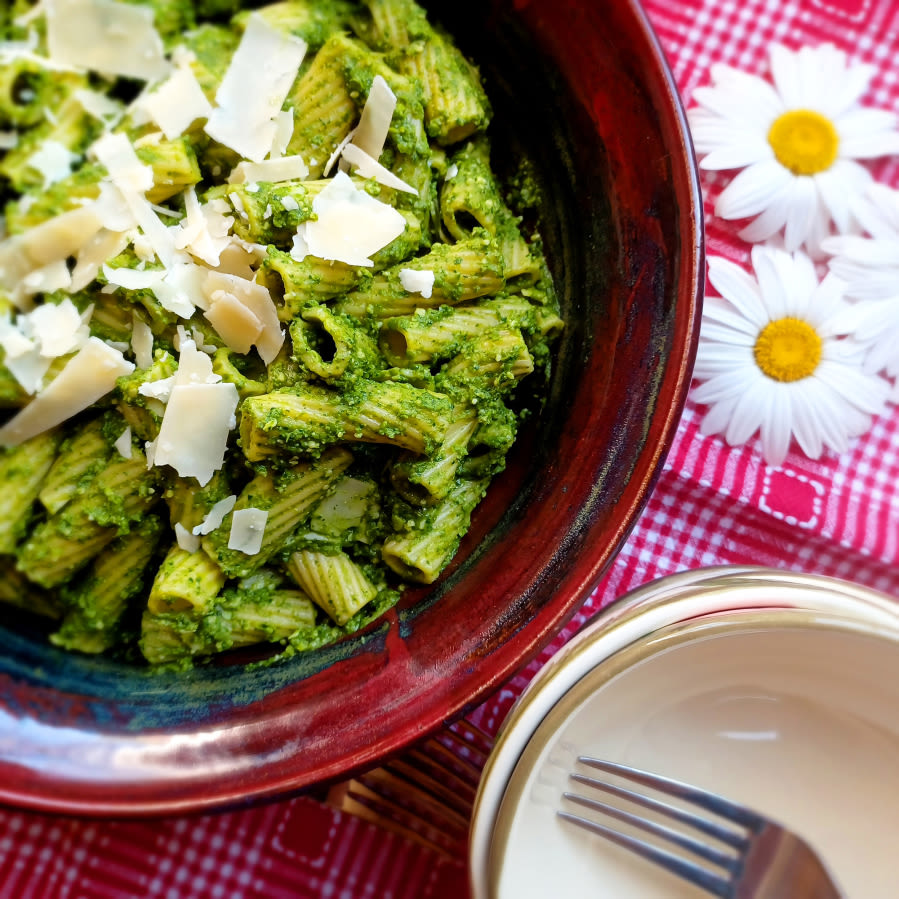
point(712, 505)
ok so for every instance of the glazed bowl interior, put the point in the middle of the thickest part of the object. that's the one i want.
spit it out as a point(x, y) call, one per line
point(583, 91)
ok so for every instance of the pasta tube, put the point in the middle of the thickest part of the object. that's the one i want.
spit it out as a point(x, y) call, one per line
point(306, 419)
point(333, 581)
point(422, 551)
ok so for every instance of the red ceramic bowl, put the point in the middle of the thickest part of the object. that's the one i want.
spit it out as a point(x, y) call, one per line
point(583, 88)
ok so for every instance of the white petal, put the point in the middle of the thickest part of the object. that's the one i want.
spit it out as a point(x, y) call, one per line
point(748, 414)
point(722, 388)
point(753, 190)
point(802, 208)
point(872, 146)
point(860, 390)
point(712, 330)
point(764, 97)
point(854, 83)
point(768, 223)
point(717, 419)
point(773, 268)
point(806, 431)
point(776, 427)
point(785, 73)
point(738, 155)
point(867, 252)
point(724, 314)
point(834, 197)
point(738, 287)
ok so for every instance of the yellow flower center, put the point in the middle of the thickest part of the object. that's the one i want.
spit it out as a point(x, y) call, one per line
point(788, 350)
point(805, 142)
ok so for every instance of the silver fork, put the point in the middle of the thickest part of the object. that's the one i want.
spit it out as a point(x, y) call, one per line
point(755, 859)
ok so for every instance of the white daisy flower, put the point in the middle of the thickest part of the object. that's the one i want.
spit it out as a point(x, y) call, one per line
point(772, 362)
point(796, 142)
point(870, 268)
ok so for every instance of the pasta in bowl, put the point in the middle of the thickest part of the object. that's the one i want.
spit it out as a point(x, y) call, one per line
point(267, 327)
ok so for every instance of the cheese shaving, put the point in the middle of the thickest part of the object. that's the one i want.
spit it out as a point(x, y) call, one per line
point(177, 103)
point(254, 89)
point(215, 517)
point(116, 39)
point(123, 444)
point(8, 140)
point(284, 125)
point(288, 168)
point(419, 281)
point(205, 231)
point(185, 539)
point(224, 292)
point(369, 167)
point(133, 179)
point(247, 530)
point(376, 117)
point(193, 436)
point(141, 342)
point(53, 161)
point(89, 375)
point(351, 225)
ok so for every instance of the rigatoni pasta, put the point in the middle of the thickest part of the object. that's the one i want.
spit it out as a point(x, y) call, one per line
point(264, 309)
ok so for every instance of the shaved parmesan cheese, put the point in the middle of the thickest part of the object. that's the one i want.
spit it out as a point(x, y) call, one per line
point(59, 328)
point(247, 530)
point(289, 168)
point(141, 342)
point(194, 366)
point(216, 516)
point(100, 106)
point(159, 390)
point(8, 140)
point(222, 288)
point(239, 260)
point(369, 167)
point(133, 179)
point(90, 258)
point(55, 276)
point(177, 103)
point(351, 225)
point(132, 279)
point(194, 431)
point(185, 539)
point(254, 89)
point(105, 36)
point(451, 172)
point(206, 229)
point(180, 290)
point(376, 117)
point(22, 357)
point(338, 152)
point(87, 376)
point(123, 444)
point(300, 249)
point(60, 237)
point(234, 322)
point(417, 281)
point(53, 161)
point(284, 124)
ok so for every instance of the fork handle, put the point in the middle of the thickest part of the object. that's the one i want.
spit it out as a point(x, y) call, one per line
point(785, 873)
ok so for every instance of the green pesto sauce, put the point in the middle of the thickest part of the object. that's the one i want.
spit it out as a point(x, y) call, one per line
point(459, 227)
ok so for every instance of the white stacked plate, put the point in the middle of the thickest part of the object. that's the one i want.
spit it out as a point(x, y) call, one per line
point(779, 690)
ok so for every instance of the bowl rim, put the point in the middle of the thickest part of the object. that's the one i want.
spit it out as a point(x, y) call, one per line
point(585, 571)
point(677, 607)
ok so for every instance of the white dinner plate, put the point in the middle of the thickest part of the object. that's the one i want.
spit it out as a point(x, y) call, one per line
point(778, 690)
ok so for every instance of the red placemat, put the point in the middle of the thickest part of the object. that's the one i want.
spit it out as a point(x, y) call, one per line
point(713, 505)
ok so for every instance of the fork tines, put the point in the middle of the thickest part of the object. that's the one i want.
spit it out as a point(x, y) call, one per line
point(730, 828)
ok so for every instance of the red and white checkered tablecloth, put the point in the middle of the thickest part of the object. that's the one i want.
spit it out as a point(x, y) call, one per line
point(713, 505)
